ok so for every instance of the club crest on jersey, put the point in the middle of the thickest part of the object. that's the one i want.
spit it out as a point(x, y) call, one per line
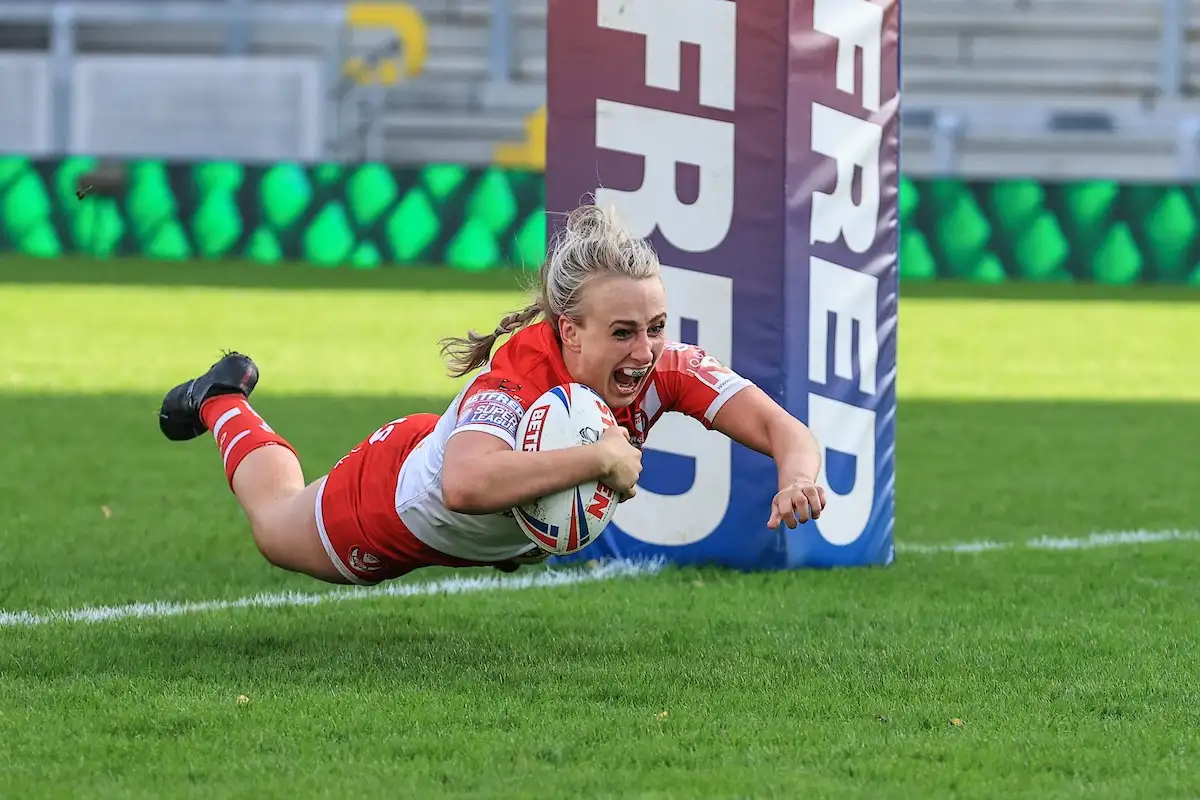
point(363, 561)
point(637, 436)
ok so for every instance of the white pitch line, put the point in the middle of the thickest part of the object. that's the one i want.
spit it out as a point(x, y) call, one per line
point(1092, 542)
point(541, 579)
point(455, 585)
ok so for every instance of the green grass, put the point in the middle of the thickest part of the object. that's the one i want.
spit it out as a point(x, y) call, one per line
point(1024, 412)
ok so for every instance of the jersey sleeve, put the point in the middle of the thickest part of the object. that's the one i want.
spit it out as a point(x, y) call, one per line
point(692, 382)
point(492, 404)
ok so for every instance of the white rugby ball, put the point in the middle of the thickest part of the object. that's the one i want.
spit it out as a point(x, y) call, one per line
point(568, 521)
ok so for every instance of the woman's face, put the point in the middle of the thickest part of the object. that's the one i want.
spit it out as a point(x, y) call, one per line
point(618, 338)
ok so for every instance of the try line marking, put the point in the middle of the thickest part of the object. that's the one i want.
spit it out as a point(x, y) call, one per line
point(1092, 542)
point(542, 579)
point(453, 585)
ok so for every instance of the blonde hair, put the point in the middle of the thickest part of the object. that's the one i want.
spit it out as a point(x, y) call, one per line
point(592, 244)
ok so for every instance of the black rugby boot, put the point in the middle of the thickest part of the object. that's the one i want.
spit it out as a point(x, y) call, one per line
point(179, 417)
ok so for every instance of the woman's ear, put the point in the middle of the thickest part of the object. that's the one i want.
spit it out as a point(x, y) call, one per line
point(568, 334)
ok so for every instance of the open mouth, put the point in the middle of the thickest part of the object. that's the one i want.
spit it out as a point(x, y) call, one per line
point(628, 380)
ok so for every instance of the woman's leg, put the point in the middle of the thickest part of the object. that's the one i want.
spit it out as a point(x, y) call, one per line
point(261, 467)
point(282, 512)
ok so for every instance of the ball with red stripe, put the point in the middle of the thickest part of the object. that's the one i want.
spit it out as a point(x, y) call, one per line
point(565, 522)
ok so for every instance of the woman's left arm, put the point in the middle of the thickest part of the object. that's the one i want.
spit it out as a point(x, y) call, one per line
point(752, 419)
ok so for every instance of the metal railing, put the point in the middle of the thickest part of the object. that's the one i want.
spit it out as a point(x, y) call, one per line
point(360, 110)
point(500, 42)
point(1173, 48)
point(63, 19)
point(949, 129)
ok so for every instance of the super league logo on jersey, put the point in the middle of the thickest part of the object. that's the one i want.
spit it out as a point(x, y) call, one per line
point(492, 407)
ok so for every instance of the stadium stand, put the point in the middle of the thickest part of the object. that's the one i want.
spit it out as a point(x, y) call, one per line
point(1053, 88)
point(474, 87)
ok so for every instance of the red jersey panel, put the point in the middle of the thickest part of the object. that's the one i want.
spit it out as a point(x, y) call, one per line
point(528, 365)
point(685, 379)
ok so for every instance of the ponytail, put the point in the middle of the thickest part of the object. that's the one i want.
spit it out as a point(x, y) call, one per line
point(468, 353)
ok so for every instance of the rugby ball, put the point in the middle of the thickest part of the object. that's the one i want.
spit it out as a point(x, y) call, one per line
point(565, 522)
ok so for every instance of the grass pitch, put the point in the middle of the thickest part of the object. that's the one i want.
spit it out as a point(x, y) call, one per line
point(1026, 414)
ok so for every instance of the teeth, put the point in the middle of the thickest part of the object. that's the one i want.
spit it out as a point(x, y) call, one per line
point(634, 373)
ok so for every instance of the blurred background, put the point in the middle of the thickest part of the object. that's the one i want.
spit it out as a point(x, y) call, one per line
point(1043, 140)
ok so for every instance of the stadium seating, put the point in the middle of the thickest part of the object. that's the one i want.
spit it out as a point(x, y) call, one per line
point(1043, 87)
point(455, 109)
point(1055, 88)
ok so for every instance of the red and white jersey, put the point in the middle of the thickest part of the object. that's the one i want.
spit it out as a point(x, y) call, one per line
point(528, 365)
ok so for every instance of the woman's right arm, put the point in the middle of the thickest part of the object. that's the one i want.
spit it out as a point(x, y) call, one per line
point(481, 474)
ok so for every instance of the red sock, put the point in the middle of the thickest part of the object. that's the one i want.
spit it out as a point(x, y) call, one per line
point(238, 429)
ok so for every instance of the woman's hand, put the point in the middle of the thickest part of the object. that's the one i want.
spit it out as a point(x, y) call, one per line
point(623, 462)
point(797, 503)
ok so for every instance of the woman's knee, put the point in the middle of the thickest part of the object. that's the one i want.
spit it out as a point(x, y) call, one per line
point(285, 533)
point(270, 541)
point(270, 527)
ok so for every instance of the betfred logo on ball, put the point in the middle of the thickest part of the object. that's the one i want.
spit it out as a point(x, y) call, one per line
point(531, 439)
